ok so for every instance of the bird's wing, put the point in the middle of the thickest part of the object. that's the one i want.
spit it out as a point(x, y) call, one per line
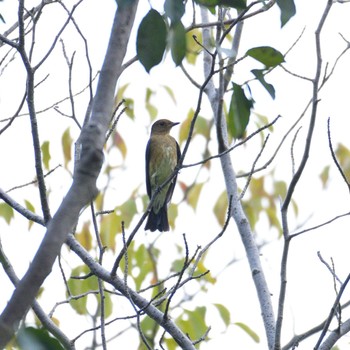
point(173, 182)
point(148, 180)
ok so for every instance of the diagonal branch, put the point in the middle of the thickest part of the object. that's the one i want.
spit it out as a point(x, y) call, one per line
point(83, 188)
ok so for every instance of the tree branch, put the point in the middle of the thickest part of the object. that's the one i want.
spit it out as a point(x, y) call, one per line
point(83, 188)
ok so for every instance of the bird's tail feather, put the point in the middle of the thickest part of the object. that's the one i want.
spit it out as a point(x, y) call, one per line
point(158, 221)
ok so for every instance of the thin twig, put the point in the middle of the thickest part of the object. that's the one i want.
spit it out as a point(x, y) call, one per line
point(334, 155)
point(332, 312)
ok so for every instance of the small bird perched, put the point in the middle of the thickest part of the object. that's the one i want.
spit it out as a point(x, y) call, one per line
point(162, 156)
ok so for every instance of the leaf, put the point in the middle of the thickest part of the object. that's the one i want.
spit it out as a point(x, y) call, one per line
point(288, 10)
point(120, 94)
point(239, 112)
point(237, 4)
point(174, 9)
point(193, 195)
point(120, 144)
point(45, 150)
point(249, 331)
point(220, 208)
point(66, 147)
point(108, 304)
point(259, 74)
point(6, 212)
point(30, 207)
point(185, 127)
point(193, 49)
point(172, 214)
point(129, 111)
point(224, 313)
point(143, 260)
point(280, 188)
point(36, 338)
point(193, 322)
point(201, 127)
point(79, 287)
point(127, 211)
point(177, 41)
point(152, 110)
point(343, 157)
point(84, 236)
point(110, 225)
point(324, 176)
point(170, 92)
point(267, 55)
point(151, 39)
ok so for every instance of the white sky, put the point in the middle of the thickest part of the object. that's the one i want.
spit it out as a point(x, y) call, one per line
point(310, 287)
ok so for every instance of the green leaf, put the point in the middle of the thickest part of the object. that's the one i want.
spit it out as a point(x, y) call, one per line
point(288, 10)
point(202, 127)
point(129, 104)
point(324, 176)
point(172, 214)
point(45, 150)
point(220, 208)
point(193, 49)
point(142, 259)
point(111, 224)
point(280, 189)
point(207, 3)
point(237, 4)
point(36, 338)
point(267, 55)
point(30, 207)
point(66, 147)
point(224, 313)
point(79, 287)
point(239, 112)
point(152, 110)
point(343, 157)
point(193, 322)
point(249, 331)
point(120, 94)
point(174, 9)
point(151, 39)
point(127, 211)
point(259, 74)
point(177, 41)
point(108, 304)
point(170, 92)
point(6, 212)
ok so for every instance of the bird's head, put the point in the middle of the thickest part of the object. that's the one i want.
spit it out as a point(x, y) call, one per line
point(162, 127)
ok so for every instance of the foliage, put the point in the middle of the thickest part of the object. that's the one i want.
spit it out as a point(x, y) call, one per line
point(123, 280)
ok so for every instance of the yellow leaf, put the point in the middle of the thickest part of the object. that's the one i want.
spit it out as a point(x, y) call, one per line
point(220, 208)
point(30, 207)
point(84, 236)
point(110, 225)
point(66, 147)
point(6, 212)
point(193, 195)
point(45, 150)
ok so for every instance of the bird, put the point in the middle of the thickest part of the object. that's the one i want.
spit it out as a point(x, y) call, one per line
point(162, 156)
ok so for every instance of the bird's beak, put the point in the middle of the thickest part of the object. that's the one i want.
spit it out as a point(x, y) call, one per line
point(176, 123)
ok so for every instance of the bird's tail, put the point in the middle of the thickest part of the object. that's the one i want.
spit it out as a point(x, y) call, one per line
point(158, 221)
